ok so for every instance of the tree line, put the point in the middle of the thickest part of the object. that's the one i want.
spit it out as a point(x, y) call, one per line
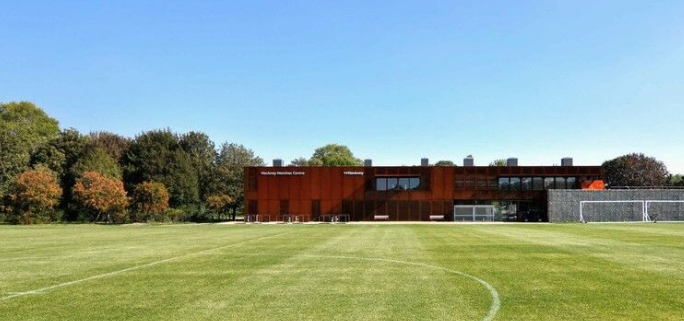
point(48, 174)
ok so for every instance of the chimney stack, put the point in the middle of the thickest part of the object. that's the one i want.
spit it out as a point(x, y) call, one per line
point(469, 161)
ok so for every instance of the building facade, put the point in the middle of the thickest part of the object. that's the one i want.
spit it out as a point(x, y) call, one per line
point(410, 193)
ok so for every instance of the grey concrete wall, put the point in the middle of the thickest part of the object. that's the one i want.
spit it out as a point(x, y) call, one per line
point(564, 206)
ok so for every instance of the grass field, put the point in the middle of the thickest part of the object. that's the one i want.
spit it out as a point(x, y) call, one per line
point(343, 272)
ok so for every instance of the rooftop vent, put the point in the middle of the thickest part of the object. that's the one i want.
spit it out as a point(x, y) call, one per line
point(469, 161)
point(566, 161)
point(277, 162)
point(368, 162)
point(424, 162)
point(511, 162)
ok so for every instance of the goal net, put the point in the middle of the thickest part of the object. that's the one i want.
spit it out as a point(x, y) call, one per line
point(631, 211)
point(665, 210)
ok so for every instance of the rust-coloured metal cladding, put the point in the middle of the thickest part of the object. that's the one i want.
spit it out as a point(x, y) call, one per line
point(406, 193)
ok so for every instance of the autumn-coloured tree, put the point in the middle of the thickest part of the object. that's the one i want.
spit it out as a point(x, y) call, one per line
point(33, 196)
point(219, 204)
point(103, 197)
point(150, 199)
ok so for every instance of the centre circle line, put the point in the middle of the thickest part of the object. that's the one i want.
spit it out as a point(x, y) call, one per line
point(496, 301)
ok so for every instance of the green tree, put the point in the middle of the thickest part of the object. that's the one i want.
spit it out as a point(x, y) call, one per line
point(23, 128)
point(151, 200)
point(97, 160)
point(677, 180)
point(228, 174)
point(157, 156)
point(499, 162)
point(60, 155)
point(445, 163)
point(33, 196)
point(114, 145)
point(635, 170)
point(334, 155)
point(301, 161)
point(202, 152)
point(104, 198)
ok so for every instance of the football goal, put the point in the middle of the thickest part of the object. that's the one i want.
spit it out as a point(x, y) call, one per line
point(473, 213)
point(662, 210)
point(631, 210)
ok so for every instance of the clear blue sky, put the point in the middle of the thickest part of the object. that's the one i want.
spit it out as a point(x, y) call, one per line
point(394, 80)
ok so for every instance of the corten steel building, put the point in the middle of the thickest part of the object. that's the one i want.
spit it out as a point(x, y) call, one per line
point(409, 193)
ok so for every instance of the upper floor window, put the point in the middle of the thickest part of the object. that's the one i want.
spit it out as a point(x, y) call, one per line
point(536, 183)
point(381, 184)
point(397, 183)
point(526, 183)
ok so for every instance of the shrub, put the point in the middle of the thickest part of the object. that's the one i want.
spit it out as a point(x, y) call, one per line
point(174, 214)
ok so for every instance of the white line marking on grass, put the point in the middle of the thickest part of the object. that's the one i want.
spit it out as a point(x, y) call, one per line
point(137, 267)
point(25, 293)
point(24, 258)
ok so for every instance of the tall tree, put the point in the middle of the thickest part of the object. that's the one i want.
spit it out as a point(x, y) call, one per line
point(157, 156)
point(202, 152)
point(334, 155)
point(60, 155)
point(635, 170)
point(229, 172)
point(97, 160)
point(23, 128)
point(445, 163)
point(114, 145)
point(33, 196)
